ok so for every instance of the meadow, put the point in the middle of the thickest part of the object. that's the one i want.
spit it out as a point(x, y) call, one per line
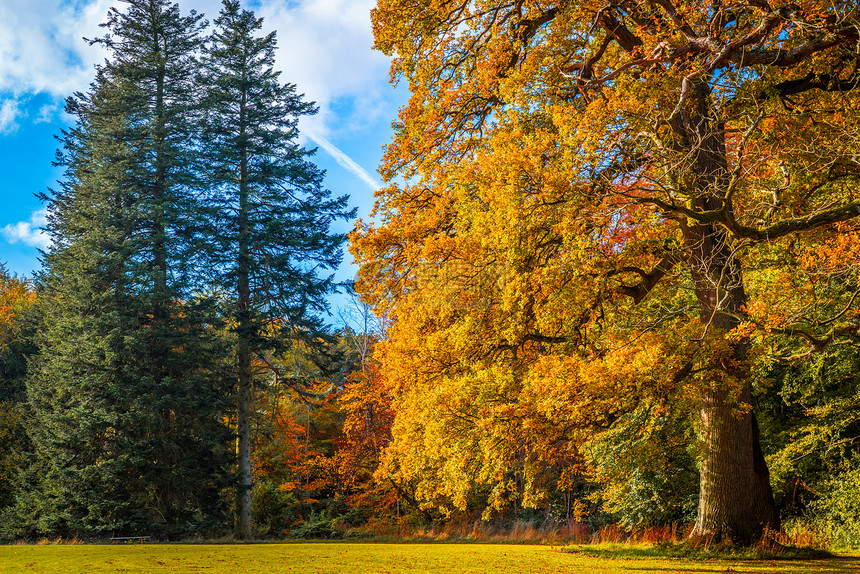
point(331, 558)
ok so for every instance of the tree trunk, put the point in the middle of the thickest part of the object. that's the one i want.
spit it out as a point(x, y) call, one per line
point(243, 498)
point(159, 218)
point(245, 336)
point(735, 497)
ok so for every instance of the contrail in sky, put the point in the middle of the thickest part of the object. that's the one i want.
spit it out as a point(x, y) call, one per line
point(344, 160)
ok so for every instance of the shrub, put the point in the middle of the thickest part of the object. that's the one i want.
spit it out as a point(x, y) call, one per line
point(317, 525)
point(836, 515)
point(273, 510)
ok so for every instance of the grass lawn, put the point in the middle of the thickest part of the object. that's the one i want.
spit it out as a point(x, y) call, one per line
point(331, 558)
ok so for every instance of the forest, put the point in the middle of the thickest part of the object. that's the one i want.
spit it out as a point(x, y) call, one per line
point(611, 279)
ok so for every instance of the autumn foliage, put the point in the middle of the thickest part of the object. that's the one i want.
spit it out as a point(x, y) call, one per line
point(617, 257)
point(598, 210)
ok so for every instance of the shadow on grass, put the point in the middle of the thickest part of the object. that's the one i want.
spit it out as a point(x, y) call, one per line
point(682, 550)
point(835, 565)
point(794, 560)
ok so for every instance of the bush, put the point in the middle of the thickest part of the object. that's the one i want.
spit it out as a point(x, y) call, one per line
point(649, 499)
point(647, 465)
point(317, 525)
point(836, 515)
point(274, 511)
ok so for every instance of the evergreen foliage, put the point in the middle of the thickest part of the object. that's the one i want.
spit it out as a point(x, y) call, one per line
point(190, 232)
point(270, 215)
point(130, 389)
point(18, 323)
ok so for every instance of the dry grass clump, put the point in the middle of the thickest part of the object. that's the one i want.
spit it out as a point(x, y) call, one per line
point(802, 535)
point(670, 538)
point(58, 540)
point(524, 532)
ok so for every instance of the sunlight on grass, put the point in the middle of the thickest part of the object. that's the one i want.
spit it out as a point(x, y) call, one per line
point(331, 558)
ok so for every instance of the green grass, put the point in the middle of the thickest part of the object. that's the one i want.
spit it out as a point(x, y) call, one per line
point(331, 558)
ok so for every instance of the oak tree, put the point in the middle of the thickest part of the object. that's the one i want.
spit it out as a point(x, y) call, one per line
point(610, 206)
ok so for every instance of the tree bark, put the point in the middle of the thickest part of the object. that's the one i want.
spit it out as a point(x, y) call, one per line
point(735, 498)
point(243, 423)
point(243, 498)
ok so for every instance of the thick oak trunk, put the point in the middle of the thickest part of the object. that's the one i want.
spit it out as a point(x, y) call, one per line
point(735, 497)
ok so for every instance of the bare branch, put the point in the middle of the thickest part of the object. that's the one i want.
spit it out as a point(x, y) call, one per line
point(650, 278)
point(788, 226)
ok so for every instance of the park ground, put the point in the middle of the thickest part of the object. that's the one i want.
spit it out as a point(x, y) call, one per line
point(367, 558)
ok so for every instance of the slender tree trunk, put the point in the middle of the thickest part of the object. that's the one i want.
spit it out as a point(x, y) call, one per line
point(161, 314)
point(735, 498)
point(159, 197)
point(245, 334)
point(243, 499)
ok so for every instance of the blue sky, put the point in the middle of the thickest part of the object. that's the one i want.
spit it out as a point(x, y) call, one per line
point(325, 49)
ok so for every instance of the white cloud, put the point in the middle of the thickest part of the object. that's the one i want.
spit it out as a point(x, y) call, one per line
point(10, 111)
point(324, 48)
point(29, 232)
point(41, 50)
point(47, 113)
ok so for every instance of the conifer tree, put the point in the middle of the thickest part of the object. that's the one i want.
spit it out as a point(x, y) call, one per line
point(128, 394)
point(270, 214)
point(18, 325)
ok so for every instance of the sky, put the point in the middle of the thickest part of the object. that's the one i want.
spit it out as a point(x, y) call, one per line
point(325, 48)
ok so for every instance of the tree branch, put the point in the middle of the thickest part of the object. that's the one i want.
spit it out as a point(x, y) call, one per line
point(649, 279)
point(788, 226)
point(625, 38)
point(816, 81)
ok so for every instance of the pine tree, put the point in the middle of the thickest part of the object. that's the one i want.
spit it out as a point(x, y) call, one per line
point(128, 395)
point(270, 213)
